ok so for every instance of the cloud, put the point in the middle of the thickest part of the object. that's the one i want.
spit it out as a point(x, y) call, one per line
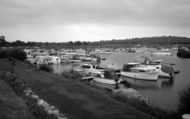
point(38, 15)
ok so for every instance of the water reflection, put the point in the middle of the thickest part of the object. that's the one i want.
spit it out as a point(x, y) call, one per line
point(167, 83)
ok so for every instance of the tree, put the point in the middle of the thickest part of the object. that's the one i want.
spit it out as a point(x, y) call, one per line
point(18, 43)
point(2, 41)
point(77, 43)
point(17, 54)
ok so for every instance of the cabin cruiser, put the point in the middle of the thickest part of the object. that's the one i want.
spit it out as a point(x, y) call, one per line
point(164, 70)
point(108, 76)
point(137, 71)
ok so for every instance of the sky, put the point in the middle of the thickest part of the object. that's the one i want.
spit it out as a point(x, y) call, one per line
point(92, 20)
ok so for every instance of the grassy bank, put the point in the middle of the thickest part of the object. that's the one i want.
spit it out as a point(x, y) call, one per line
point(11, 105)
point(75, 100)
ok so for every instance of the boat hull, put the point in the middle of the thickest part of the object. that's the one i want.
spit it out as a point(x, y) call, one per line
point(152, 76)
point(160, 72)
point(107, 81)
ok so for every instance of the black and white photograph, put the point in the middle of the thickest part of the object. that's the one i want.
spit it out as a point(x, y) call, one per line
point(94, 59)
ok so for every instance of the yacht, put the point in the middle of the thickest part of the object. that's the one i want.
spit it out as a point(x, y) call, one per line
point(137, 71)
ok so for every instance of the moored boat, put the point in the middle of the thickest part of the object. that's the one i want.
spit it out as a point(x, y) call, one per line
point(135, 70)
point(164, 70)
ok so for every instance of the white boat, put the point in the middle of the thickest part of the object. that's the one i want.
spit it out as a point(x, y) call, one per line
point(157, 64)
point(161, 52)
point(110, 77)
point(134, 70)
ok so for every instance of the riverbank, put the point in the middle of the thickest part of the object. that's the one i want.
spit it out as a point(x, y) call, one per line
point(73, 99)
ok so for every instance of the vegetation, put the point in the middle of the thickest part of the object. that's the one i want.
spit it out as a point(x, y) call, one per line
point(145, 107)
point(16, 53)
point(74, 75)
point(184, 106)
point(12, 107)
point(3, 53)
point(147, 41)
point(183, 53)
point(45, 67)
point(19, 85)
point(75, 100)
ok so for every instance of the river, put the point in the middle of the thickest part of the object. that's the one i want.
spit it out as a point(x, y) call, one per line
point(163, 93)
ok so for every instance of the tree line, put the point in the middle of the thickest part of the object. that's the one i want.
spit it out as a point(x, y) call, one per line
point(145, 41)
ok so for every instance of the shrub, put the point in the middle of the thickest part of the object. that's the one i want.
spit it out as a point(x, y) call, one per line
point(72, 75)
point(46, 68)
point(184, 106)
point(3, 54)
point(184, 53)
point(17, 54)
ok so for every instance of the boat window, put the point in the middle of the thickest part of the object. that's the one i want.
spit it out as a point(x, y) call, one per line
point(134, 70)
point(98, 75)
point(141, 70)
point(127, 67)
point(85, 66)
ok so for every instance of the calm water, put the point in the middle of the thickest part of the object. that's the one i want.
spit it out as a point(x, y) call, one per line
point(164, 92)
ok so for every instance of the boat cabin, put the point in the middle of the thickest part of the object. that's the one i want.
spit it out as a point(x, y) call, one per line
point(128, 66)
point(109, 74)
point(142, 69)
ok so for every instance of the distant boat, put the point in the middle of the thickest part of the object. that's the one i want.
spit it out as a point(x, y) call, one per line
point(161, 52)
point(134, 70)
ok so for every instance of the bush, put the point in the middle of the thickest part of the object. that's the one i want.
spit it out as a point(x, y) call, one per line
point(46, 68)
point(184, 106)
point(17, 54)
point(3, 54)
point(72, 75)
point(183, 53)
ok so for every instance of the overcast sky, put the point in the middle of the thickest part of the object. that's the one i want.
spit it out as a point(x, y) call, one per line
point(92, 20)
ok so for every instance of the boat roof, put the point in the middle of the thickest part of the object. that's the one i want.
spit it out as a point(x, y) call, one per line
point(86, 64)
point(157, 60)
point(145, 68)
point(133, 63)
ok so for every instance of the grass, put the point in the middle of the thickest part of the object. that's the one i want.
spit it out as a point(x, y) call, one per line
point(79, 101)
point(144, 107)
point(46, 68)
point(75, 100)
point(12, 106)
point(72, 75)
point(19, 86)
